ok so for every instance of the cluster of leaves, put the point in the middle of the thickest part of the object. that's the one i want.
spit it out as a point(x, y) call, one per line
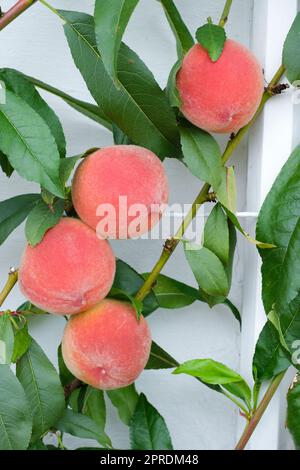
point(130, 103)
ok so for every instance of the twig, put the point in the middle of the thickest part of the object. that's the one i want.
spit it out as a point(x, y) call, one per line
point(16, 10)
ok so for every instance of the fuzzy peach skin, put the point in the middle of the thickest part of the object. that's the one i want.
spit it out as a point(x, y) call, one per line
point(69, 271)
point(106, 347)
point(123, 170)
point(220, 96)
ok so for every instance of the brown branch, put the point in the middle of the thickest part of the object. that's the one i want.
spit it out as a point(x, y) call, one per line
point(69, 389)
point(16, 10)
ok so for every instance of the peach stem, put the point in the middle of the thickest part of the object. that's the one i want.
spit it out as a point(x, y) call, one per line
point(11, 281)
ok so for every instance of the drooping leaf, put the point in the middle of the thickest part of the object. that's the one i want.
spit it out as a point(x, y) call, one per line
point(279, 223)
point(148, 429)
point(291, 52)
point(216, 234)
point(15, 417)
point(129, 281)
point(42, 387)
point(202, 154)
point(236, 223)
point(227, 191)
point(87, 109)
point(293, 411)
point(17, 83)
point(28, 143)
point(6, 339)
point(270, 358)
point(111, 19)
point(22, 342)
point(42, 218)
point(208, 270)
point(139, 107)
point(234, 310)
point(78, 425)
point(160, 359)
point(212, 38)
point(125, 401)
point(184, 39)
point(14, 211)
point(94, 407)
point(171, 293)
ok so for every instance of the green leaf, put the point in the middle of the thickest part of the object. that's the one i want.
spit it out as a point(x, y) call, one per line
point(18, 84)
point(139, 107)
point(250, 239)
point(87, 109)
point(214, 373)
point(6, 339)
point(279, 223)
point(42, 218)
point(216, 234)
point(28, 143)
point(209, 371)
point(208, 270)
point(129, 281)
point(270, 358)
point(184, 39)
point(173, 294)
point(289, 323)
point(171, 90)
point(78, 425)
point(22, 343)
point(124, 400)
point(121, 295)
point(293, 411)
point(148, 430)
point(94, 407)
point(212, 38)
point(160, 359)
point(202, 154)
point(111, 19)
point(291, 52)
point(234, 310)
point(215, 300)
point(119, 137)
point(66, 377)
point(42, 387)
point(226, 191)
point(14, 211)
point(15, 417)
point(66, 167)
point(5, 165)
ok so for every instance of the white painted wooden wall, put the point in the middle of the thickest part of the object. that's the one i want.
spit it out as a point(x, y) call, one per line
point(197, 417)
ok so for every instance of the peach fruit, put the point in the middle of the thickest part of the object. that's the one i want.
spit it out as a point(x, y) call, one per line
point(120, 191)
point(69, 271)
point(220, 96)
point(106, 346)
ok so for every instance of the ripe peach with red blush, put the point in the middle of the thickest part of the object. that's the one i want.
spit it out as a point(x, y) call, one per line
point(120, 191)
point(220, 96)
point(106, 346)
point(69, 271)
